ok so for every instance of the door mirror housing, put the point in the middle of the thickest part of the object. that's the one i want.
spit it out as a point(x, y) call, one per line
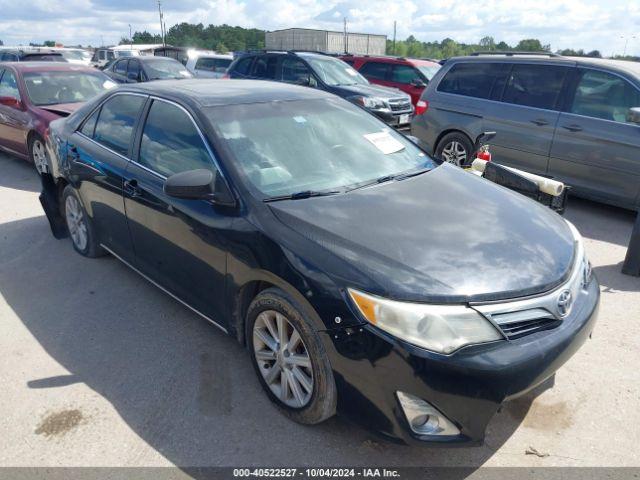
point(200, 184)
point(12, 102)
point(419, 83)
point(633, 115)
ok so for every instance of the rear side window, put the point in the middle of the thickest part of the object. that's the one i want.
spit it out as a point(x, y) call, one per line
point(375, 70)
point(171, 143)
point(604, 95)
point(479, 80)
point(243, 65)
point(535, 85)
point(118, 116)
point(265, 67)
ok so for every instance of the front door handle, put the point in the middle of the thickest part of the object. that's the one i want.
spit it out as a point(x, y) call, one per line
point(131, 188)
point(540, 122)
point(572, 128)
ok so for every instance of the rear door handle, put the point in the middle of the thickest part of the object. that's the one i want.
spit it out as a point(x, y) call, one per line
point(540, 122)
point(572, 128)
point(131, 188)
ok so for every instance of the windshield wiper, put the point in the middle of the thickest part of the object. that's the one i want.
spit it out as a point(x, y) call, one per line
point(388, 178)
point(301, 195)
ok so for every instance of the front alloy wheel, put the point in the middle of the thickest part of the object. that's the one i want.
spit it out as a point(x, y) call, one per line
point(39, 156)
point(76, 223)
point(283, 359)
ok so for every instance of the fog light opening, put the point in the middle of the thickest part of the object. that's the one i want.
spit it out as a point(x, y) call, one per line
point(424, 418)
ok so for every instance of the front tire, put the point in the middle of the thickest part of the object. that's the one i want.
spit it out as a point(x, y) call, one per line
point(38, 154)
point(455, 148)
point(289, 358)
point(79, 225)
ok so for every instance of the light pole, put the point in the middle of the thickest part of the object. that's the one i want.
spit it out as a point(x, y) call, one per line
point(626, 42)
point(130, 38)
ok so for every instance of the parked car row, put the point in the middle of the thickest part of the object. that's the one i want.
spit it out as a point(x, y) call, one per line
point(574, 119)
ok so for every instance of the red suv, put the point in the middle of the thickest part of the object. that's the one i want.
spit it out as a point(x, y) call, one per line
point(407, 74)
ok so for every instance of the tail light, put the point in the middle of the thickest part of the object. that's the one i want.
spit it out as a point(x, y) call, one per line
point(421, 107)
point(226, 76)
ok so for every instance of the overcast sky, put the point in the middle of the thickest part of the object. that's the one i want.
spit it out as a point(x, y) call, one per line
point(590, 24)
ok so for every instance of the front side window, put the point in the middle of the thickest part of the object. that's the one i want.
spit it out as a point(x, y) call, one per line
point(404, 74)
point(133, 70)
point(171, 142)
point(243, 65)
point(161, 68)
point(50, 88)
point(535, 85)
point(604, 95)
point(282, 148)
point(479, 80)
point(89, 126)
point(9, 85)
point(121, 67)
point(375, 70)
point(118, 116)
point(294, 70)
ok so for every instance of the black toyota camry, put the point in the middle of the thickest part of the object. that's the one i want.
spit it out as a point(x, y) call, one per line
point(362, 276)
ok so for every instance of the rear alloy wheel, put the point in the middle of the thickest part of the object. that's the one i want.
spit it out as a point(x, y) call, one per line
point(455, 148)
point(283, 359)
point(39, 155)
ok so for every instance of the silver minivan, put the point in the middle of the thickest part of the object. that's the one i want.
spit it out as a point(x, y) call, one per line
point(574, 119)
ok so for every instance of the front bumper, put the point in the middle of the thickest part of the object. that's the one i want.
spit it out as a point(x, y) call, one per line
point(467, 386)
point(400, 120)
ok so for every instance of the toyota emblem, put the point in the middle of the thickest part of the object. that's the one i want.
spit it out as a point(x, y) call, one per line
point(565, 300)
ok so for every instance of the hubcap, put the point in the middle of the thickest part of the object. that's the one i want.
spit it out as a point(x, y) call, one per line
point(40, 156)
point(283, 359)
point(454, 152)
point(75, 223)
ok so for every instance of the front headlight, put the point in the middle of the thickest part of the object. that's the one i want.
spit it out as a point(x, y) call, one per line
point(440, 328)
point(371, 102)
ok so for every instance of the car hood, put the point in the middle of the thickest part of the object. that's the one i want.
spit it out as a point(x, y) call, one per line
point(371, 91)
point(444, 236)
point(62, 109)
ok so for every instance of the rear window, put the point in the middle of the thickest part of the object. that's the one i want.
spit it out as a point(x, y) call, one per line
point(479, 80)
point(535, 85)
point(213, 64)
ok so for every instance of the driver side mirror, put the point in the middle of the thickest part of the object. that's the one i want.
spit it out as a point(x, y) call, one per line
point(200, 184)
point(416, 82)
point(11, 102)
point(633, 115)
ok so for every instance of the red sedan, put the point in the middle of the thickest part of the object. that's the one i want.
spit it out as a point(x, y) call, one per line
point(32, 94)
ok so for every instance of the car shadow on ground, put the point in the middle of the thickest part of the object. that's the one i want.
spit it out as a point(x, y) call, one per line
point(18, 174)
point(184, 387)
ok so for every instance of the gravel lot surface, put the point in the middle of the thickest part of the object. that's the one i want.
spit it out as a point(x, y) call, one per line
point(99, 368)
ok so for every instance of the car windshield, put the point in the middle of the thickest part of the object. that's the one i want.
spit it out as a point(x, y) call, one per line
point(165, 68)
point(74, 54)
point(335, 72)
point(428, 70)
point(50, 88)
point(283, 148)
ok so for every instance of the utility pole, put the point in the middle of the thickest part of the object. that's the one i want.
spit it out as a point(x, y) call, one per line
point(161, 21)
point(394, 37)
point(346, 38)
point(626, 42)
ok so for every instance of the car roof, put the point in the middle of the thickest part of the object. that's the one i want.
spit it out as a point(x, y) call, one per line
point(47, 67)
point(624, 66)
point(391, 59)
point(217, 92)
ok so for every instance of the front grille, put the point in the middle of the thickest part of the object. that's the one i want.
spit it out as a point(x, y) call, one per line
point(524, 322)
point(400, 105)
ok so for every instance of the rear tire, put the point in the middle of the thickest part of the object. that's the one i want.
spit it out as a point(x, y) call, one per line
point(79, 224)
point(289, 358)
point(455, 148)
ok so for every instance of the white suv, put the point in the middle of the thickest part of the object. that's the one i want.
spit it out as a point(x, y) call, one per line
point(209, 65)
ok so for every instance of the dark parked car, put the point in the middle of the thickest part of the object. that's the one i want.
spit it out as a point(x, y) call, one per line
point(146, 68)
point(34, 94)
point(411, 75)
point(314, 234)
point(575, 119)
point(326, 73)
point(30, 56)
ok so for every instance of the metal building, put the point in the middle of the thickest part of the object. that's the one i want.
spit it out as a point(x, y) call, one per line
point(325, 41)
